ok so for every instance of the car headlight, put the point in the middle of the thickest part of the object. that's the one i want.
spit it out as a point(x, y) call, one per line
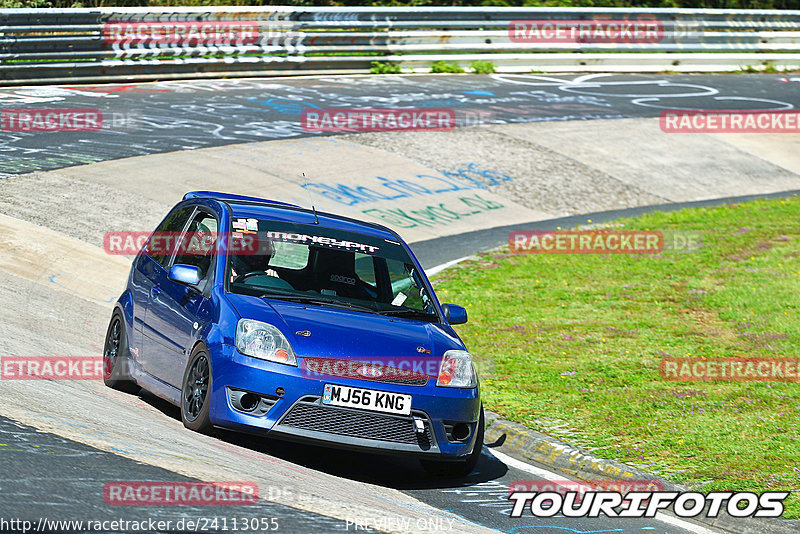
point(456, 370)
point(263, 341)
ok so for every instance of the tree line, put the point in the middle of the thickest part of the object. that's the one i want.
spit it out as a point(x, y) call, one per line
point(693, 4)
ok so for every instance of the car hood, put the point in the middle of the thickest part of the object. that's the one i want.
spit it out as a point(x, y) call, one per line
point(342, 333)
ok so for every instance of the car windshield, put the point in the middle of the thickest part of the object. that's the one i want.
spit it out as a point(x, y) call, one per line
point(326, 267)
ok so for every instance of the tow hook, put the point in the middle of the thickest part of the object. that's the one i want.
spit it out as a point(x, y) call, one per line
point(419, 425)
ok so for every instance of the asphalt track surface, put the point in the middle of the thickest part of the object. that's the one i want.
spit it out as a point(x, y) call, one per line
point(66, 476)
point(45, 475)
point(50, 479)
point(140, 119)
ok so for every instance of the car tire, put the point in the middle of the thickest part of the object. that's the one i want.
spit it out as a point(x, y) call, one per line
point(461, 468)
point(115, 359)
point(196, 392)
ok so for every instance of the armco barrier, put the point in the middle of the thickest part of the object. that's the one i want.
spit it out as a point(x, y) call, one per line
point(116, 44)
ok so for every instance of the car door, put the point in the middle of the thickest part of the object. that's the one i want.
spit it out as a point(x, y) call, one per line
point(147, 269)
point(174, 309)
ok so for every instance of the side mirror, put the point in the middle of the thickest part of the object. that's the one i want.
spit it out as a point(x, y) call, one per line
point(454, 314)
point(185, 274)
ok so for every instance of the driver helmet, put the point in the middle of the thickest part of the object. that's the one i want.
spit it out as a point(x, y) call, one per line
point(258, 260)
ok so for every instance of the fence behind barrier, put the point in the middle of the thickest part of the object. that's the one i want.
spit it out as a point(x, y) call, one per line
point(113, 44)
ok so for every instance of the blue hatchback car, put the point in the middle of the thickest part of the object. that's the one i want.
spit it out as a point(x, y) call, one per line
point(268, 318)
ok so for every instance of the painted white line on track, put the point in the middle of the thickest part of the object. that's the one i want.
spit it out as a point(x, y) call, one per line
point(522, 466)
point(439, 268)
point(548, 475)
point(691, 527)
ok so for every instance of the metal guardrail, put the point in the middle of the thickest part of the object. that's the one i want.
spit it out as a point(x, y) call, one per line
point(114, 44)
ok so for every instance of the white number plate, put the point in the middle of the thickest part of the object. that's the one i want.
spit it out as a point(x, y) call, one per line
point(367, 399)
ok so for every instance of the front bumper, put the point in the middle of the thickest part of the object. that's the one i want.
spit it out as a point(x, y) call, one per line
point(290, 407)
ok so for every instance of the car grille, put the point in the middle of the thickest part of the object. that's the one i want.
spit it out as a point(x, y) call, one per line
point(413, 381)
point(348, 368)
point(357, 423)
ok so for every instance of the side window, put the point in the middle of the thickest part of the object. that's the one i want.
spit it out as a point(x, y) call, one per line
point(406, 290)
point(158, 248)
point(198, 246)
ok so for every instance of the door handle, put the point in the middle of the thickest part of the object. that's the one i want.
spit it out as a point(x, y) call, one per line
point(155, 291)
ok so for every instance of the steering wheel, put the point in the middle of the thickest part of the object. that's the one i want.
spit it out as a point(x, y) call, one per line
point(245, 276)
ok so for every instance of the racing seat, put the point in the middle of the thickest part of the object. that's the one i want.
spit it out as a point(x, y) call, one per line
point(335, 270)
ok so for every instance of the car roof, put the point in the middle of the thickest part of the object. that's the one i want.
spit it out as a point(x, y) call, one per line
point(262, 208)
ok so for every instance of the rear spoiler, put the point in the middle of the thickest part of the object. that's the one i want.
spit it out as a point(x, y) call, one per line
point(230, 196)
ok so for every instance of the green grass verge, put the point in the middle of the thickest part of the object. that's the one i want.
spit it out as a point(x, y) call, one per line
point(571, 344)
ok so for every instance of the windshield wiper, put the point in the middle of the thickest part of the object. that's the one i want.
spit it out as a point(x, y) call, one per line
point(312, 299)
point(408, 312)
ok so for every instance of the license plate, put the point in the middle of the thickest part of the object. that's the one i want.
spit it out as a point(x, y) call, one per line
point(367, 399)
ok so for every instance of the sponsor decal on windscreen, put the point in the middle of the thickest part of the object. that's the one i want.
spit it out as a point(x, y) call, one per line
point(329, 242)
